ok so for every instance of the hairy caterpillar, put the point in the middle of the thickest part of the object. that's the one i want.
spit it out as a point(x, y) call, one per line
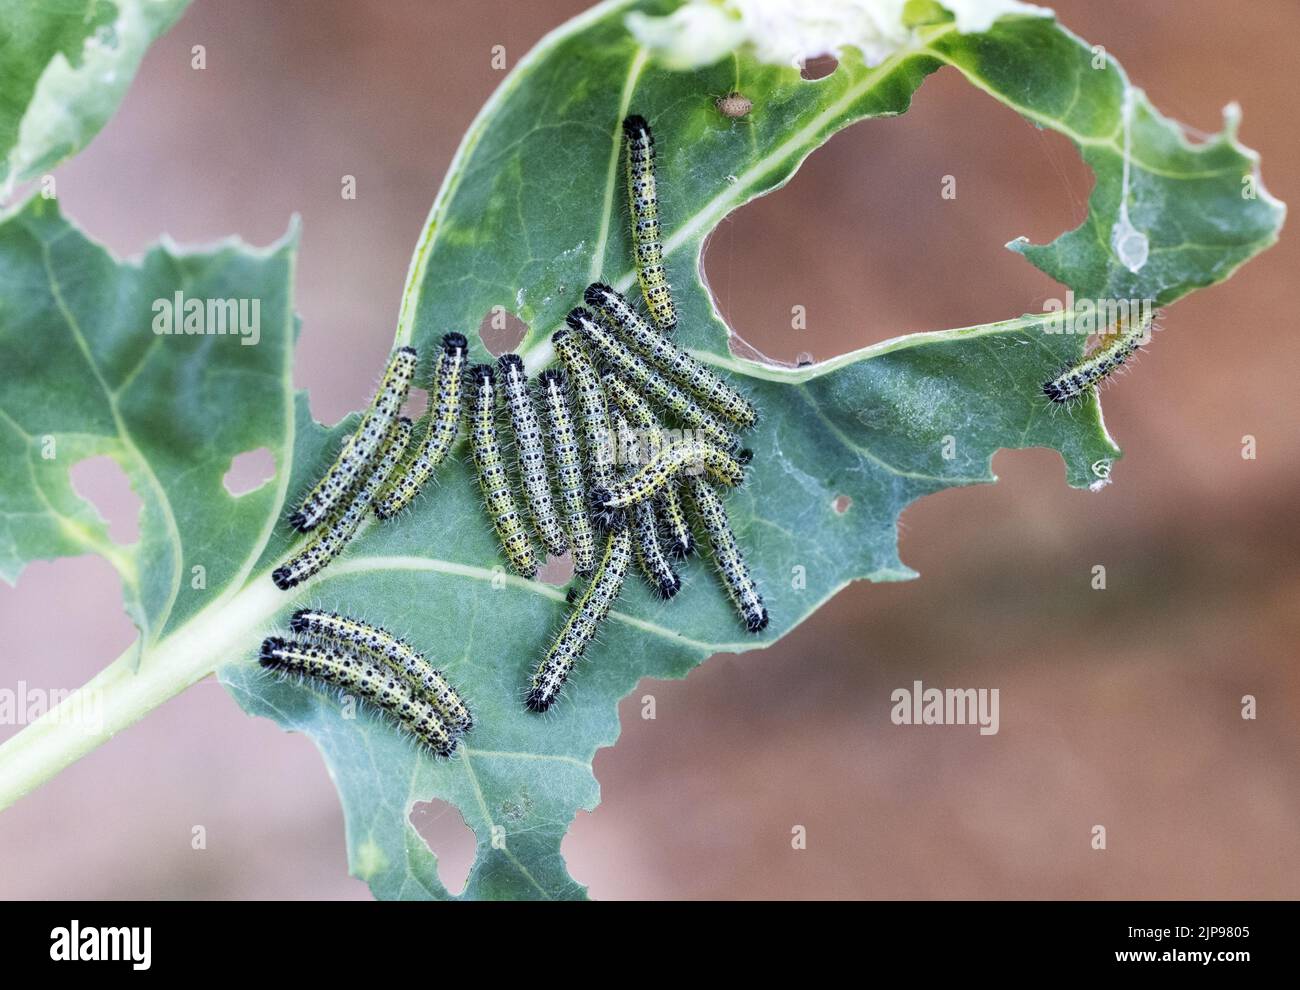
point(658, 572)
point(685, 456)
point(532, 454)
point(443, 426)
point(568, 469)
point(398, 654)
point(669, 358)
point(1105, 360)
point(492, 475)
point(583, 620)
point(667, 393)
point(592, 412)
point(376, 684)
point(344, 519)
point(637, 410)
point(643, 196)
point(359, 449)
point(727, 555)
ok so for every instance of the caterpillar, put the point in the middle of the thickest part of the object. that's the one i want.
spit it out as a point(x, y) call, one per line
point(727, 556)
point(638, 412)
point(685, 456)
point(568, 469)
point(579, 628)
point(376, 684)
point(444, 424)
point(659, 573)
point(345, 518)
point(669, 358)
point(647, 247)
point(360, 448)
point(1082, 376)
point(667, 393)
point(493, 478)
point(532, 454)
point(398, 654)
point(592, 412)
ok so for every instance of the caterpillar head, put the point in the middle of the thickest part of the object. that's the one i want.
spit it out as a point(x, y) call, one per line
point(553, 376)
point(606, 516)
point(1057, 391)
point(668, 587)
point(598, 295)
point(636, 128)
point(539, 700)
point(681, 548)
point(270, 646)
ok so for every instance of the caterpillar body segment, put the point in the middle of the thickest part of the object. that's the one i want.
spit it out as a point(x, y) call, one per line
point(593, 414)
point(681, 541)
point(443, 427)
point(580, 627)
point(375, 683)
point(680, 459)
point(566, 454)
point(647, 237)
point(639, 373)
point(678, 365)
point(531, 449)
point(727, 555)
point(396, 653)
point(344, 519)
point(362, 447)
point(1083, 376)
point(494, 480)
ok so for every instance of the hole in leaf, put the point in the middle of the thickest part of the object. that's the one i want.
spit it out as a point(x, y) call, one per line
point(417, 401)
point(249, 471)
point(444, 831)
point(884, 199)
point(501, 331)
point(102, 482)
point(841, 504)
point(557, 570)
point(819, 67)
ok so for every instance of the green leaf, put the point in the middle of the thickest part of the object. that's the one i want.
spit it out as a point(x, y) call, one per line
point(86, 375)
point(64, 68)
point(529, 214)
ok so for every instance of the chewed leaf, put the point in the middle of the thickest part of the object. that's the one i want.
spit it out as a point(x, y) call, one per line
point(87, 372)
point(531, 212)
point(63, 70)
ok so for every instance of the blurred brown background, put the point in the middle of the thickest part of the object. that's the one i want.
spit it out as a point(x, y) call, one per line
point(1119, 708)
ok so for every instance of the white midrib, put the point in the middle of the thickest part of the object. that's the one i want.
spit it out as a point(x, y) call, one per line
point(225, 631)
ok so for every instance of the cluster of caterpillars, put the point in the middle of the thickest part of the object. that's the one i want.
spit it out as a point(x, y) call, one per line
point(598, 476)
point(384, 670)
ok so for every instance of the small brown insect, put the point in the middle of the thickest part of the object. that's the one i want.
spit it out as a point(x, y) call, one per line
point(734, 105)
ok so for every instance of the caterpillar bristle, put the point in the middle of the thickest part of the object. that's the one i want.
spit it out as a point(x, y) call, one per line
point(266, 656)
point(595, 293)
point(538, 701)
